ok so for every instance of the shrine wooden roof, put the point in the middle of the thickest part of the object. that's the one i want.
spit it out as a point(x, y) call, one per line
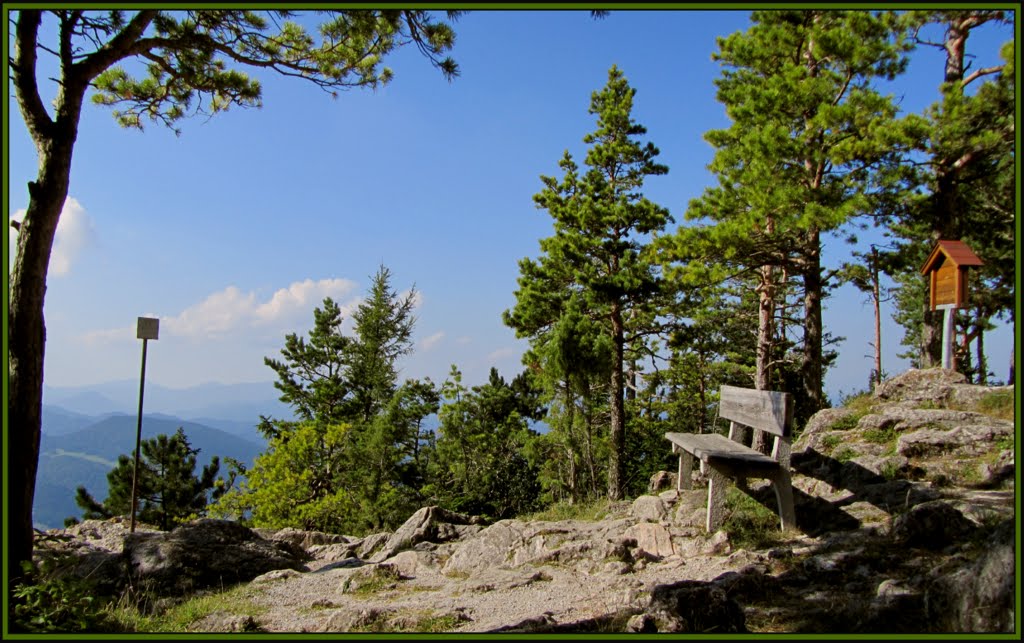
point(955, 251)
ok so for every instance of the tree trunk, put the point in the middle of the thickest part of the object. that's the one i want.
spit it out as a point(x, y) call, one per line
point(876, 295)
point(618, 416)
point(765, 332)
point(26, 341)
point(811, 367)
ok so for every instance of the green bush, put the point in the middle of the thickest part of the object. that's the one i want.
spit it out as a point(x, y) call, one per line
point(44, 603)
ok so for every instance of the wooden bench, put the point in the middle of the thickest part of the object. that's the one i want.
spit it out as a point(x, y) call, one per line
point(726, 457)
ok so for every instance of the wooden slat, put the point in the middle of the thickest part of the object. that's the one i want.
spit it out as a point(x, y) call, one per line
point(713, 448)
point(769, 411)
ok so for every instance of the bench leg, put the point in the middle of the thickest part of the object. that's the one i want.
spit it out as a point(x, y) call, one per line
point(685, 479)
point(716, 499)
point(783, 487)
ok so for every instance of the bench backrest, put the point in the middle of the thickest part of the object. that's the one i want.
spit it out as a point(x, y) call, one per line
point(769, 411)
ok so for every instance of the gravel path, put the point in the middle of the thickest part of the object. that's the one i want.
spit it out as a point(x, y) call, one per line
point(317, 601)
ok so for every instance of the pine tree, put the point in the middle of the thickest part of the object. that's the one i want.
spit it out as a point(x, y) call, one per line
point(168, 490)
point(599, 250)
point(313, 377)
point(803, 156)
point(968, 185)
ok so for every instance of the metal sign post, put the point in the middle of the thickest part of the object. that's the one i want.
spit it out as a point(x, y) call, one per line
point(949, 310)
point(148, 328)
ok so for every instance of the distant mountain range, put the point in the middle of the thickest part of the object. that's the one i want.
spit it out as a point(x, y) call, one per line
point(86, 428)
point(72, 455)
point(243, 402)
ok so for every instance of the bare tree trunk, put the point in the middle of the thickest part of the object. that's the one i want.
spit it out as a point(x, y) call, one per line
point(811, 367)
point(616, 458)
point(876, 295)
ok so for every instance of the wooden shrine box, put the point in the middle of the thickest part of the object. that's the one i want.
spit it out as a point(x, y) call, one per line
point(947, 270)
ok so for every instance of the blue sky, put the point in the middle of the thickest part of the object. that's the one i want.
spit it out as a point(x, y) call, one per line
point(233, 232)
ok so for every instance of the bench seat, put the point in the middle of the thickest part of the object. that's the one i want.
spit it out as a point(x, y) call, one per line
point(724, 457)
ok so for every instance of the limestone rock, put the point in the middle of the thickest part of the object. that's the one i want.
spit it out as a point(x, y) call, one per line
point(204, 553)
point(661, 481)
point(652, 539)
point(980, 596)
point(693, 607)
point(428, 524)
point(648, 508)
point(931, 525)
point(916, 385)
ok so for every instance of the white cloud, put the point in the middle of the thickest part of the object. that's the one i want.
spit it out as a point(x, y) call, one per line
point(109, 335)
point(75, 233)
point(231, 310)
point(429, 342)
point(503, 353)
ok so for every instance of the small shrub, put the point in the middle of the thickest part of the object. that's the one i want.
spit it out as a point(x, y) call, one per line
point(1004, 443)
point(43, 603)
point(380, 578)
point(880, 436)
point(891, 470)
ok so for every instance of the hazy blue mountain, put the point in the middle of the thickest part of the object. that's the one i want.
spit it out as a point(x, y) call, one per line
point(84, 457)
point(60, 421)
point(238, 402)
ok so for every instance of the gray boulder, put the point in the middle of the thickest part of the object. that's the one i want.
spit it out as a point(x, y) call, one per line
point(980, 596)
point(693, 607)
point(204, 553)
point(932, 525)
point(428, 524)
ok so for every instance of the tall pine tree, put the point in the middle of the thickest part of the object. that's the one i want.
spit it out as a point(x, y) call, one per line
point(599, 250)
point(809, 135)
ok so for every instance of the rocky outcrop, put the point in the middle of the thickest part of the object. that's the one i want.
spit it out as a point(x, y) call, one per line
point(428, 525)
point(903, 503)
point(978, 597)
point(691, 607)
point(204, 553)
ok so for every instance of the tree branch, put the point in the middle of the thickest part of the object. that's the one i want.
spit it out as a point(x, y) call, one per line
point(120, 47)
point(979, 73)
point(36, 117)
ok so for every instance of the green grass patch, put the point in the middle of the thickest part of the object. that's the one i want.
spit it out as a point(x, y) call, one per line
point(886, 435)
point(588, 511)
point(750, 524)
point(845, 454)
point(997, 404)
point(181, 617)
point(1004, 443)
point(891, 470)
point(831, 441)
point(849, 421)
point(407, 621)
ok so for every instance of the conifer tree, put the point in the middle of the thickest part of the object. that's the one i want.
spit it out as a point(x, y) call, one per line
point(168, 489)
point(599, 249)
point(966, 185)
point(809, 136)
